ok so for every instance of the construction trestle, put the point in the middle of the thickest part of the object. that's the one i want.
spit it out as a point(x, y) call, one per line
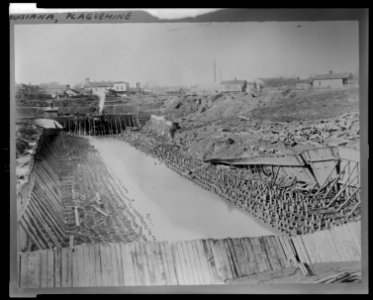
point(102, 124)
point(196, 262)
point(281, 202)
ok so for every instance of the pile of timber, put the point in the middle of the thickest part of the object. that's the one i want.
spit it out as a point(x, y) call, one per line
point(342, 277)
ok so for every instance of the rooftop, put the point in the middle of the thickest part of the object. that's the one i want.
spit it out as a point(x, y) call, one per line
point(332, 76)
point(235, 81)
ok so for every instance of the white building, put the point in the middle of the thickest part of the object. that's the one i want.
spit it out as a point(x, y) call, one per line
point(332, 80)
point(120, 86)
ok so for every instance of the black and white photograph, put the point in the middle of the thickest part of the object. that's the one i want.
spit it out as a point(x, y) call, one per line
point(185, 153)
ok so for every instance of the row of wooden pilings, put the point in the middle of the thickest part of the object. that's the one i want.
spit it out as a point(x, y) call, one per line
point(99, 125)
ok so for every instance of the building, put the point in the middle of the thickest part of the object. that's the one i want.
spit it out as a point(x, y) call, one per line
point(120, 86)
point(332, 80)
point(304, 84)
point(234, 85)
point(55, 90)
point(29, 91)
point(71, 93)
point(276, 83)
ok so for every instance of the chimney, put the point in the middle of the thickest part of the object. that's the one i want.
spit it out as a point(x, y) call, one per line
point(330, 72)
point(138, 87)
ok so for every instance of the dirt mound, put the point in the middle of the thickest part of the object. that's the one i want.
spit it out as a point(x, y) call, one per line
point(308, 105)
point(273, 123)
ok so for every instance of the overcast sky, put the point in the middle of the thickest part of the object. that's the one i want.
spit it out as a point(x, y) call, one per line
point(182, 53)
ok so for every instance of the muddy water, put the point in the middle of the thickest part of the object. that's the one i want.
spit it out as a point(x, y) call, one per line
point(175, 208)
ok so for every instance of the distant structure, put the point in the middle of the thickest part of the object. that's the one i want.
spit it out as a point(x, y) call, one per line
point(332, 80)
point(55, 90)
point(214, 71)
point(234, 85)
point(28, 91)
point(304, 84)
point(275, 83)
point(50, 112)
point(117, 87)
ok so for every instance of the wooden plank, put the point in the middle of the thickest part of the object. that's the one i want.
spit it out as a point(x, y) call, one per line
point(333, 255)
point(75, 267)
point(82, 272)
point(190, 262)
point(157, 263)
point(140, 264)
point(166, 271)
point(98, 269)
point(85, 265)
point(355, 242)
point(91, 265)
point(304, 249)
point(69, 267)
point(275, 251)
point(200, 266)
point(43, 268)
point(272, 256)
point(210, 259)
point(142, 256)
point(183, 263)
point(33, 278)
point(280, 252)
point(129, 276)
point(23, 272)
point(119, 264)
point(348, 241)
point(341, 238)
point(201, 262)
point(310, 247)
point(163, 260)
point(289, 250)
point(30, 269)
point(132, 269)
point(126, 277)
point(107, 275)
point(177, 263)
point(136, 271)
point(221, 260)
point(170, 263)
point(114, 265)
point(57, 267)
point(205, 264)
point(232, 259)
point(250, 255)
point(339, 248)
point(260, 256)
point(64, 267)
point(242, 262)
point(299, 249)
point(50, 280)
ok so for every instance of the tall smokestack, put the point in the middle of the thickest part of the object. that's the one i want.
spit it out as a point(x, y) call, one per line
point(214, 71)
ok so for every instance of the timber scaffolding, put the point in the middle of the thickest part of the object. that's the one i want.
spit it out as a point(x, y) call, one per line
point(284, 202)
point(196, 262)
point(102, 124)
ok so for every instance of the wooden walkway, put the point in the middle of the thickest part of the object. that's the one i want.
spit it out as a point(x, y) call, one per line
point(196, 262)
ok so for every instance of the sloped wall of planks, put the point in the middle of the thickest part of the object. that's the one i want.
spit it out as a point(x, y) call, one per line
point(196, 262)
point(39, 206)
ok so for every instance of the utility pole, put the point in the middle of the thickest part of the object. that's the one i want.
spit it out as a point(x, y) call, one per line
point(214, 71)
